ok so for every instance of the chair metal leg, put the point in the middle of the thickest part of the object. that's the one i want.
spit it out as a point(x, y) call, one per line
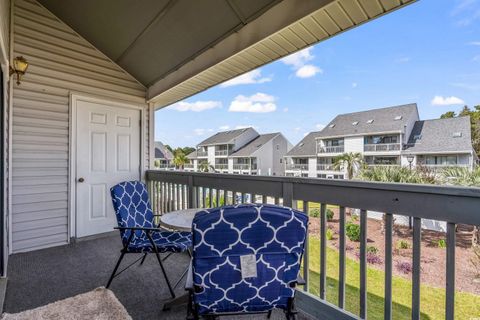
point(115, 269)
point(172, 293)
point(180, 279)
point(143, 259)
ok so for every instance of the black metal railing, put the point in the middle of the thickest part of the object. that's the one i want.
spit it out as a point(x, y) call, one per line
point(172, 190)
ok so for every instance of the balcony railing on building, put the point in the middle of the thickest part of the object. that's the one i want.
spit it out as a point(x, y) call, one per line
point(188, 166)
point(296, 166)
point(222, 152)
point(244, 166)
point(202, 153)
point(326, 167)
point(174, 190)
point(331, 149)
point(381, 147)
point(221, 166)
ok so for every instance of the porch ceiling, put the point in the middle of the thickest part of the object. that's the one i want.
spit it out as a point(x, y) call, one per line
point(178, 48)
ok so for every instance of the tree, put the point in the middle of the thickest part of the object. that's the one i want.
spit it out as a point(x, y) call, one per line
point(204, 166)
point(179, 158)
point(350, 162)
point(448, 114)
point(465, 177)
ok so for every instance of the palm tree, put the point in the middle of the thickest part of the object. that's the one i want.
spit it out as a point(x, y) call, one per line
point(349, 162)
point(179, 158)
point(464, 177)
point(204, 166)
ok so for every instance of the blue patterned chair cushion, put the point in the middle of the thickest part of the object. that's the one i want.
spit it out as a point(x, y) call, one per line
point(275, 235)
point(132, 208)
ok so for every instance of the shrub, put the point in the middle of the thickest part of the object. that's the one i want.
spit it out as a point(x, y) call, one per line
point(475, 260)
point(372, 258)
point(352, 231)
point(329, 234)
point(403, 244)
point(315, 212)
point(404, 267)
point(329, 215)
point(441, 243)
point(372, 249)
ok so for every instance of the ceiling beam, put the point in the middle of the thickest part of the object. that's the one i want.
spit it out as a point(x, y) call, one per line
point(278, 17)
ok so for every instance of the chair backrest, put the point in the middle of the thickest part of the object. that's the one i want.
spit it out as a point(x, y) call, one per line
point(272, 237)
point(132, 206)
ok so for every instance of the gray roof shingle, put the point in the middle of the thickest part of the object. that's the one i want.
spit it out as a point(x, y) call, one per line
point(390, 119)
point(306, 147)
point(161, 152)
point(437, 135)
point(254, 145)
point(192, 155)
point(223, 137)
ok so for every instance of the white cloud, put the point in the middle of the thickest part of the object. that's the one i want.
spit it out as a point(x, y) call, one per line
point(308, 71)
point(474, 43)
point(226, 127)
point(403, 60)
point(254, 76)
point(201, 132)
point(320, 126)
point(257, 103)
point(298, 62)
point(196, 106)
point(299, 58)
point(446, 101)
point(354, 85)
point(466, 12)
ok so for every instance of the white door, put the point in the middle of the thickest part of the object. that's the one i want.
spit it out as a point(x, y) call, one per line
point(107, 152)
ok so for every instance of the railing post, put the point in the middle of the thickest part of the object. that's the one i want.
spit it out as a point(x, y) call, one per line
point(191, 193)
point(287, 194)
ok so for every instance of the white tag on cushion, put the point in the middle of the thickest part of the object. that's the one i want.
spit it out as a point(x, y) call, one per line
point(248, 265)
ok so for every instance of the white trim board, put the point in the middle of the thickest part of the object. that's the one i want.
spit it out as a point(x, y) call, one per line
point(74, 98)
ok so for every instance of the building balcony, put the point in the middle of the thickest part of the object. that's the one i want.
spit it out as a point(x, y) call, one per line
point(335, 149)
point(220, 153)
point(381, 147)
point(360, 197)
point(244, 166)
point(221, 166)
point(202, 153)
point(296, 166)
point(326, 167)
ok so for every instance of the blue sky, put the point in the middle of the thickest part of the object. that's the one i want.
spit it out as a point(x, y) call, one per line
point(427, 53)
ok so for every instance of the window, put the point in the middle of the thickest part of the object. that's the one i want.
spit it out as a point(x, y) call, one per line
point(354, 123)
point(457, 134)
point(370, 121)
point(334, 143)
point(441, 160)
point(278, 147)
point(281, 160)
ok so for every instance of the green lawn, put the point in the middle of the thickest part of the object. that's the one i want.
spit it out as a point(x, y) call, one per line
point(467, 305)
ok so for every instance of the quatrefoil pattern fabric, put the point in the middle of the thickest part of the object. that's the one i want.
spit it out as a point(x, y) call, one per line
point(132, 208)
point(274, 235)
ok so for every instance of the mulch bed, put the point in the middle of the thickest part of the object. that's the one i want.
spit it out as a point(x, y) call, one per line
point(433, 258)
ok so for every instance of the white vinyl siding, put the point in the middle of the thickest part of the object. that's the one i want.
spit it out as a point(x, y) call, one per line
point(353, 144)
point(61, 63)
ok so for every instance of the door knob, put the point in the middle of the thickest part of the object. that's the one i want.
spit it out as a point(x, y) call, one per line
point(81, 180)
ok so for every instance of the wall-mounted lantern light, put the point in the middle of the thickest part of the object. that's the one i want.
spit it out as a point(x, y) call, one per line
point(19, 67)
